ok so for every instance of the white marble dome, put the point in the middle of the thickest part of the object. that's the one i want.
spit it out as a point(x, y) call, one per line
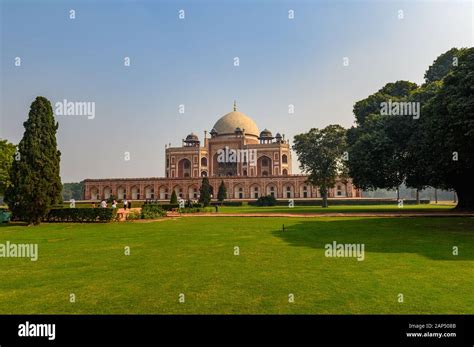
point(235, 119)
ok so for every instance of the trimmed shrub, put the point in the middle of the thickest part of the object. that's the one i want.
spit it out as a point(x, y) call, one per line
point(152, 211)
point(81, 215)
point(174, 198)
point(268, 200)
point(169, 207)
point(134, 215)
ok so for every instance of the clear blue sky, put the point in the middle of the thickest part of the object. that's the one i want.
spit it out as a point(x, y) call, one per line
point(190, 62)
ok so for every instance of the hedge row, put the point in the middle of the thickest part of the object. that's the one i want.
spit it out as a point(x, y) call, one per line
point(196, 209)
point(152, 211)
point(268, 200)
point(81, 215)
point(169, 207)
point(337, 202)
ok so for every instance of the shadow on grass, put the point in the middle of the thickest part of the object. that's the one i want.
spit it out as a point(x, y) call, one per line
point(14, 224)
point(433, 238)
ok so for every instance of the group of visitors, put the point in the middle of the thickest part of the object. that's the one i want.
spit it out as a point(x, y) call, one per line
point(127, 204)
point(103, 204)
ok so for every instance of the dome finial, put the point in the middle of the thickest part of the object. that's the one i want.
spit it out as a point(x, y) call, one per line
point(235, 106)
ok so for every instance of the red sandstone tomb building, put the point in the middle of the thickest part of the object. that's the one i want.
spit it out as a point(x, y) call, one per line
point(251, 164)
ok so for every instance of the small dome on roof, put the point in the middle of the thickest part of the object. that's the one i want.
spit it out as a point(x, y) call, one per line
point(266, 133)
point(278, 136)
point(192, 137)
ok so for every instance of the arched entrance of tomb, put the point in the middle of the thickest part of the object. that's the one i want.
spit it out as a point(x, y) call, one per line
point(239, 191)
point(221, 166)
point(272, 190)
point(164, 194)
point(120, 193)
point(255, 191)
point(288, 191)
point(184, 168)
point(94, 193)
point(149, 192)
point(135, 193)
point(264, 166)
point(107, 193)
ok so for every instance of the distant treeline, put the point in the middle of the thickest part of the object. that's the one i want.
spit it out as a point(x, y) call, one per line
point(408, 193)
point(73, 191)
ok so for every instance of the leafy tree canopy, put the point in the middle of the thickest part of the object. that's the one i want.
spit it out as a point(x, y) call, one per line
point(7, 152)
point(73, 191)
point(443, 65)
point(388, 150)
point(320, 153)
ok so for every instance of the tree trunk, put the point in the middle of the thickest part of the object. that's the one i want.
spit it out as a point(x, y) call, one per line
point(465, 193)
point(436, 195)
point(398, 193)
point(417, 196)
point(325, 200)
point(324, 195)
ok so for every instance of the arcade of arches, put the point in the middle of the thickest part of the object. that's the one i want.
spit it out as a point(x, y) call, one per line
point(291, 187)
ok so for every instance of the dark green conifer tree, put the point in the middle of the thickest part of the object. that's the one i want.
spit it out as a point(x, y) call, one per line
point(35, 180)
point(205, 192)
point(222, 193)
point(174, 198)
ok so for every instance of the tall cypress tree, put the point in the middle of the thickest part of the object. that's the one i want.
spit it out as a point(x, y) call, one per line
point(221, 195)
point(174, 198)
point(205, 192)
point(35, 181)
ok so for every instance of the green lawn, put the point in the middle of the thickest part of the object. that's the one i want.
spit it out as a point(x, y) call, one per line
point(338, 209)
point(195, 256)
point(443, 207)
